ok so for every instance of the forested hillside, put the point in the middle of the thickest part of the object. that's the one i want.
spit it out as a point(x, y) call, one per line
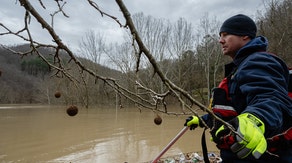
point(28, 79)
point(195, 66)
point(17, 86)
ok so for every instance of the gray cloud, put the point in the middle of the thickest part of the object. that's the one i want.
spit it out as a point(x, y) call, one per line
point(83, 18)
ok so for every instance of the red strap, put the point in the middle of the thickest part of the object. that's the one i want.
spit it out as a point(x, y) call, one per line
point(224, 85)
point(226, 142)
point(288, 134)
point(290, 94)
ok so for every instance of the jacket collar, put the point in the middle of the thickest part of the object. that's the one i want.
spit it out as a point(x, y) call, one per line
point(258, 44)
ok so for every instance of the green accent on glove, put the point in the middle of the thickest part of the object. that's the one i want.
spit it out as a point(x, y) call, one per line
point(250, 138)
point(192, 122)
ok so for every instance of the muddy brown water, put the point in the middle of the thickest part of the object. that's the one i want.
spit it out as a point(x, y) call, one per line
point(105, 135)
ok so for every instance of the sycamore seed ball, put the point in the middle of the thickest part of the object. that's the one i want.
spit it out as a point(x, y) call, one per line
point(57, 94)
point(72, 110)
point(157, 120)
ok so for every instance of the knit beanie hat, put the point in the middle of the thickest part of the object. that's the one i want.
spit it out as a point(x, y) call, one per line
point(240, 25)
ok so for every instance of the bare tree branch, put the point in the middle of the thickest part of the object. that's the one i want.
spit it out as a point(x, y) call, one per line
point(175, 89)
point(154, 100)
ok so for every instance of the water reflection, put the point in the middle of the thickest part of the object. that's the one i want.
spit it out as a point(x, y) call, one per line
point(47, 134)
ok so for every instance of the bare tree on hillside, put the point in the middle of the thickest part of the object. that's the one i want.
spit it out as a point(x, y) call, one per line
point(180, 47)
point(209, 53)
point(155, 34)
point(276, 25)
point(92, 47)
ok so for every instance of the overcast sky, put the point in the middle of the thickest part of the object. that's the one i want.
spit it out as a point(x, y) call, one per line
point(83, 18)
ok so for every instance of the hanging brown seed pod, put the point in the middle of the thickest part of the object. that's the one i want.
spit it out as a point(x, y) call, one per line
point(72, 110)
point(57, 94)
point(157, 120)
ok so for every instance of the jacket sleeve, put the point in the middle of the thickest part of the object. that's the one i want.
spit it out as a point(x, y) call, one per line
point(262, 81)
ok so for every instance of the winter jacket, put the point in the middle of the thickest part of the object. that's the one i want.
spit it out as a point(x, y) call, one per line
point(259, 85)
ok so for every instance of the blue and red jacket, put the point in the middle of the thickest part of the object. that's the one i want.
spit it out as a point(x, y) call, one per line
point(257, 83)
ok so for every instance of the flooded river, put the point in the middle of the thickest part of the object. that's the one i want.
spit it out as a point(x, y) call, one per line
point(102, 135)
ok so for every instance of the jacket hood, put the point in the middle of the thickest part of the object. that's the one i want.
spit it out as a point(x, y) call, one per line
point(258, 44)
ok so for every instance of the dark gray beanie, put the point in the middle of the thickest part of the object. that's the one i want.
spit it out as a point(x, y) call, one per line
point(240, 25)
